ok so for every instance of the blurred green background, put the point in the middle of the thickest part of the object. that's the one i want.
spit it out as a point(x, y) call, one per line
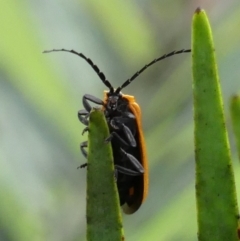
point(42, 194)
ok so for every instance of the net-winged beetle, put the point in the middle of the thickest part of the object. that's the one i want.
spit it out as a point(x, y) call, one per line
point(123, 116)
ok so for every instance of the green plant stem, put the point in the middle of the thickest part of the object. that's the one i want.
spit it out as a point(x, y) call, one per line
point(104, 220)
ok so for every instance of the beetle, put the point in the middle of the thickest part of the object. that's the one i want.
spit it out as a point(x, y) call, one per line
point(123, 116)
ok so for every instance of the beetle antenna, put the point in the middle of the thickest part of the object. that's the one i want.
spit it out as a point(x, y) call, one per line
point(128, 81)
point(95, 68)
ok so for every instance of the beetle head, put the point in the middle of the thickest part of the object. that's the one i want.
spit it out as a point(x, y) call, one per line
point(113, 100)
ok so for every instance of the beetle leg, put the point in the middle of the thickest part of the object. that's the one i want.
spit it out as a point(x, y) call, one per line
point(127, 171)
point(83, 145)
point(125, 125)
point(138, 168)
point(128, 115)
point(129, 135)
point(115, 135)
point(83, 116)
point(135, 163)
point(91, 98)
point(116, 124)
point(83, 165)
point(85, 130)
point(115, 174)
point(126, 118)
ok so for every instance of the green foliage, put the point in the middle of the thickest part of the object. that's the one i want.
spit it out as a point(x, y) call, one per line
point(41, 94)
point(104, 221)
point(215, 188)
